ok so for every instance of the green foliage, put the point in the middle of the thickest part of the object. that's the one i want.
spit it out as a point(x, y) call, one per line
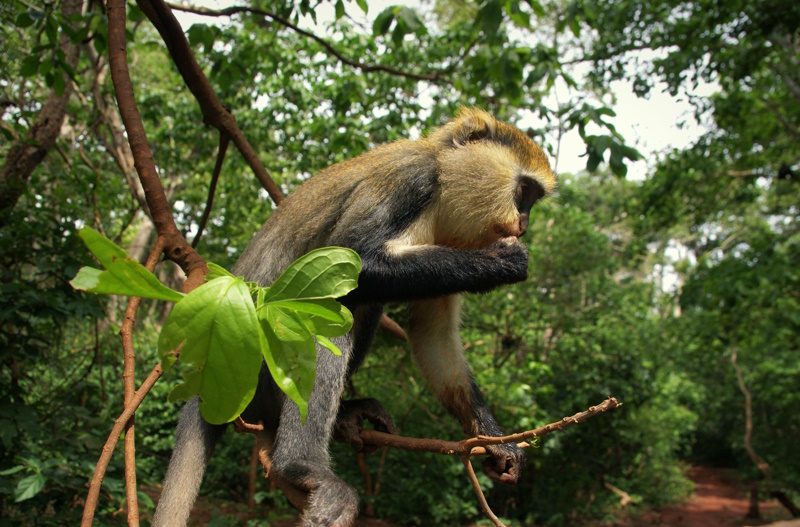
point(224, 338)
point(598, 316)
point(730, 202)
point(301, 302)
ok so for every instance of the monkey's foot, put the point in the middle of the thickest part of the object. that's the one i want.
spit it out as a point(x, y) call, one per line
point(350, 422)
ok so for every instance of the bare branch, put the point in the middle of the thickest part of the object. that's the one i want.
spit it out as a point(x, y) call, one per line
point(296, 496)
point(624, 498)
point(177, 248)
point(476, 446)
point(111, 443)
point(129, 380)
point(214, 113)
point(476, 486)
point(757, 460)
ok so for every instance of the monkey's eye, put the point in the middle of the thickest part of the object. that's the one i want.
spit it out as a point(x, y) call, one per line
point(528, 192)
point(473, 136)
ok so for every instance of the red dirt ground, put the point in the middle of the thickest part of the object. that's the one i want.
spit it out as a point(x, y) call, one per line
point(720, 500)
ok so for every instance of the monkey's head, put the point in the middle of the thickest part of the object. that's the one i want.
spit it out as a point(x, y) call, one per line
point(490, 175)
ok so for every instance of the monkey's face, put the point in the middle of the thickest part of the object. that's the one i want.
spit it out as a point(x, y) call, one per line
point(490, 176)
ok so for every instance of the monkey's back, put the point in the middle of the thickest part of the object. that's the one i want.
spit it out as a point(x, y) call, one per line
point(337, 206)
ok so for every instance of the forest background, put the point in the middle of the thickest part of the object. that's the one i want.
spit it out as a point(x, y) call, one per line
point(676, 292)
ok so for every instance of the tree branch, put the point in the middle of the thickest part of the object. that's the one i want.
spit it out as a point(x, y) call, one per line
point(476, 446)
point(170, 239)
point(476, 486)
point(111, 443)
point(214, 113)
point(757, 460)
point(465, 449)
point(176, 247)
point(366, 68)
point(129, 380)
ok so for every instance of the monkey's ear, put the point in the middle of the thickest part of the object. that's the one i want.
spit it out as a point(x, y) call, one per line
point(472, 125)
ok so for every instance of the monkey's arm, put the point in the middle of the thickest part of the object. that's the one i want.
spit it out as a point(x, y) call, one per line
point(437, 348)
point(430, 271)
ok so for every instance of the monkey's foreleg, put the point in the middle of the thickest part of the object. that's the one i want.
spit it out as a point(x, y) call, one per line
point(437, 348)
point(401, 273)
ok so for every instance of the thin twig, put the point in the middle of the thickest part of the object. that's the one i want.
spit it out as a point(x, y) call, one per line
point(476, 486)
point(465, 449)
point(476, 446)
point(224, 141)
point(111, 443)
point(366, 68)
point(757, 460)
point(296, 495)
point(129, 382)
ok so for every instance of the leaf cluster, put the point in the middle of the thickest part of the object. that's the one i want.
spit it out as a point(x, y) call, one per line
point(218, 330)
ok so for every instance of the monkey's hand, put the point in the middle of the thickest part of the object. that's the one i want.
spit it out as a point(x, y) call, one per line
point(350, 422)
point(505, 465)
point(513, 257)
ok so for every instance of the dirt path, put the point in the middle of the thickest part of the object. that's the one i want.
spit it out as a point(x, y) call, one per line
point(719, 500)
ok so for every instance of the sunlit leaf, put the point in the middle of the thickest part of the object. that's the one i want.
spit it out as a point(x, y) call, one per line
point(329, 272)
point(217, 326)
point(216, 271)
point(322, 341)
point(123, 274)
point(322, 317)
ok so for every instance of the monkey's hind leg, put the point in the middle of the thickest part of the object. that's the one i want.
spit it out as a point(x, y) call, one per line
point(300, 453)
point(194, 442)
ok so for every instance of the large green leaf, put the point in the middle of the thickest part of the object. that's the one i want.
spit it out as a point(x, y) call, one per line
point(123, 274)
point(217, 325)
point(329, 272)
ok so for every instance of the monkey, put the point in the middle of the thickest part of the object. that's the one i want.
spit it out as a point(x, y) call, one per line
point(431, 219)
